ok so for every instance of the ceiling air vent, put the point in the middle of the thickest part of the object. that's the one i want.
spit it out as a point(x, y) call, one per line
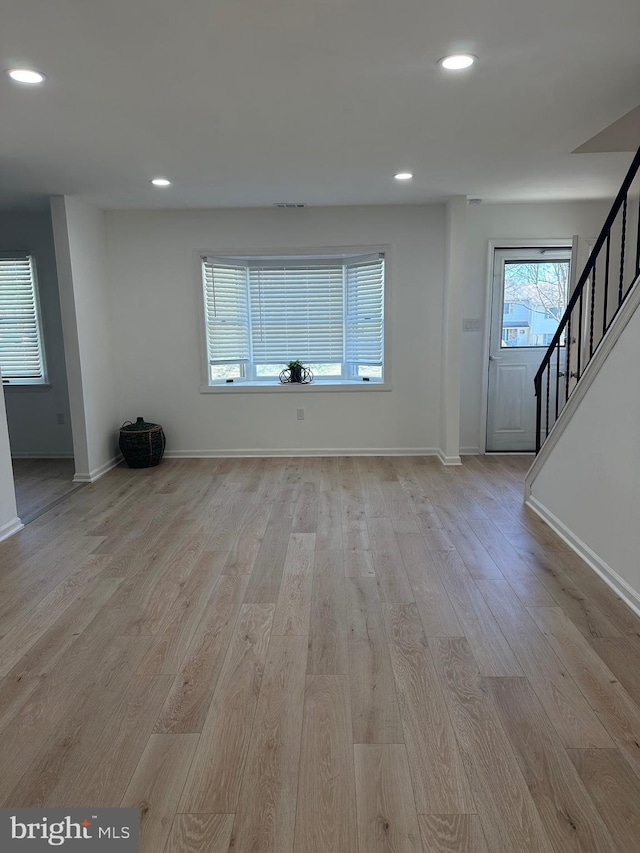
point(288, 205)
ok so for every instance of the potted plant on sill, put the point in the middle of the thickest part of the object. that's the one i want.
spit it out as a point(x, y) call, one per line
point(295, 371)
point(296, 368)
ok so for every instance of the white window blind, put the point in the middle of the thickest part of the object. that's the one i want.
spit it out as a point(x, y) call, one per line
point(227, 313)
point(364, 331)
point(297, 312)
point(21, 356)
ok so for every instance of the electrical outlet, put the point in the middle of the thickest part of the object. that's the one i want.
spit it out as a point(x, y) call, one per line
point(300, 414)
point(60, 419)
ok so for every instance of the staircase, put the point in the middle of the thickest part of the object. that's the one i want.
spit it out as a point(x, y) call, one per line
point(594, 310)
point(585, 478)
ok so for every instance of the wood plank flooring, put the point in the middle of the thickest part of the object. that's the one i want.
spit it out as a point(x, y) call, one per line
point(39, 483)
point(319, 655)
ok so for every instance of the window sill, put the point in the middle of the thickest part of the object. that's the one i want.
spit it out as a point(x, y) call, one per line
point(26, 386)
point(293, 387)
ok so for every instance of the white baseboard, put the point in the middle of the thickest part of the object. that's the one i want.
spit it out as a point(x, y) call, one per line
point(309, 451)
point(36, 455)
point(448, 460)
point(10, 528)
point(619, 585)
point(469, 451)
point(100, 471)
point(510, 453)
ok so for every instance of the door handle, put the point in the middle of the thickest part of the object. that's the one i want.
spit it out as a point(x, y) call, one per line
point(495, 358)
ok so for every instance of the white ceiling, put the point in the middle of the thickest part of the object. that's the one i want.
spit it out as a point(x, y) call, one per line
point(252, 102)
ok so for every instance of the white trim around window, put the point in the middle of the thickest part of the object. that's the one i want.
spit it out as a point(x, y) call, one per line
point(242, 272)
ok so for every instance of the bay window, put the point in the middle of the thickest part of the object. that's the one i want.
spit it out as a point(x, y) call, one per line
point(327, 312)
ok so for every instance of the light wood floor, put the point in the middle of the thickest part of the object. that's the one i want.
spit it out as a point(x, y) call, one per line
point(347, 655)
point(39, 483)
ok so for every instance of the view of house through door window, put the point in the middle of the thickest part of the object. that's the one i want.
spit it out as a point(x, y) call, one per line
point(529, 297)
point(535, 298)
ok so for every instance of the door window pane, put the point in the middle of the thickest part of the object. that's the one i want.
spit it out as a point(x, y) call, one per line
point(534, 300)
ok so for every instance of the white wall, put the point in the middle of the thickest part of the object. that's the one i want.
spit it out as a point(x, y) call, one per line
point(507, 221)
point(591, 479)
point(79, 231)
point(32, 410)
point(155, 302)
point(9, 521)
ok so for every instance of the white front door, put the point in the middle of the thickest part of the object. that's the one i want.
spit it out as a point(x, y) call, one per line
point(529, 296)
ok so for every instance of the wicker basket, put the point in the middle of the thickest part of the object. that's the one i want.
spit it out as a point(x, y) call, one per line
point(142, 444)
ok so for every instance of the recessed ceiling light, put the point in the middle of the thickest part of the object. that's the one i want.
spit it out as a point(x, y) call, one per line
point(26, 75)
point(457, 61)
point(403, 176)
point(161, 182)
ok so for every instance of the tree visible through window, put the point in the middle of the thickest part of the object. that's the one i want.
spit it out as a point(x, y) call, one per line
point(536, 293)
point(21, 353)
point(327, 312)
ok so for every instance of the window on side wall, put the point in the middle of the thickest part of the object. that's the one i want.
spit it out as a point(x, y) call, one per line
point(327, 312)
point(21, 351)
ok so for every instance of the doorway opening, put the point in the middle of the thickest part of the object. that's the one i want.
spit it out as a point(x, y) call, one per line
point(33, 365)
